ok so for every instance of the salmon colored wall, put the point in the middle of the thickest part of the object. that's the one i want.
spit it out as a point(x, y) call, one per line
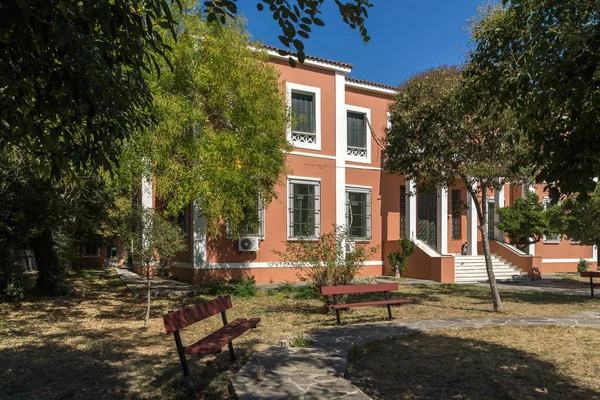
point(423, 266)
point(532, 266)
point(389, 197)
point(221, 249)
point(323, 79)
point(551, 268)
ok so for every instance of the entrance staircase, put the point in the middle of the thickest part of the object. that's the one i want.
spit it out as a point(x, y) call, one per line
point(471, 269)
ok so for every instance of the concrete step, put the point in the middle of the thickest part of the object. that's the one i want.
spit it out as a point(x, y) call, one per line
point(472, 269)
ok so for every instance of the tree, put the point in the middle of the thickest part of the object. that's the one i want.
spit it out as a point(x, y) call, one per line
point(220, 130)
point(154, 238)
point(525, 222)
point(296, 19)
point(540, 58)
point(438, 134)
point(73, 78)
point(325, 262)
point(579, 218)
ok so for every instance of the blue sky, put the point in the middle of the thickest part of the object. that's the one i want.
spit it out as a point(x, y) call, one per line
point(407, 36)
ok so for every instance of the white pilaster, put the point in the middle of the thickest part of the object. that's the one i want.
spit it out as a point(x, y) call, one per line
point(340, 150)
point(471, 225)
point(499, 202)
point(147, 192)
point(198, 237)
point(595, 253)
point(442, 220)
point(411, 210)
point(526, 189)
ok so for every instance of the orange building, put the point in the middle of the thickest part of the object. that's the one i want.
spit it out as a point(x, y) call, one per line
point(336, 178)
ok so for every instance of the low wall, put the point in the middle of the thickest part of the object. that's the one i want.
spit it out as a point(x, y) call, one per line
point(425, 264)
point(204, 276)
point(531, 265)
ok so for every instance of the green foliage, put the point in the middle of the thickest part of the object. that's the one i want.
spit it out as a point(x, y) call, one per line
point(578, 217)
point(296, 18)
point(245, 287)
point(525, 222)
point(583, 265)
point(538, 58)
point(220, 125)
point(325, 262)
point(302, 340)
point(72, 78)
point(399, 259)
point(14, 290)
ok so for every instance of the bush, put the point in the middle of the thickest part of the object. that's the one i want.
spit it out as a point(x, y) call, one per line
point(301, 340)
point(14, 290)
point(399, 259)
point(324, 262)
point(245, 287)
point(583, 265)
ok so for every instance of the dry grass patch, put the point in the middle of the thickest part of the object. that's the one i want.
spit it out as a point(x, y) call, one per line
point(94, 345)
point(489, 363)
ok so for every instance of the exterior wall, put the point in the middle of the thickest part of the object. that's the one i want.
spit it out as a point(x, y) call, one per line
point(423, 266)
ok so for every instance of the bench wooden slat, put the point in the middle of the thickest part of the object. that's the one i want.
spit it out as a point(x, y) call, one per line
point(220, 338)
point(588, 274)
point(349, 289)
point(370, 303)
point(177, 320)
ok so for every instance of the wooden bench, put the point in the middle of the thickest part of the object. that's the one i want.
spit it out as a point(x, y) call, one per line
point(384, 288)
point(213, 343)
point(591, 275)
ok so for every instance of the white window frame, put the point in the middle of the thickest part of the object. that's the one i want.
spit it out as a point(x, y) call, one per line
point(545, 239)
point(316, 93)
point(361, 189)
point(261, 218)
point(367, 113)
point(307, 181)
point(91, 255)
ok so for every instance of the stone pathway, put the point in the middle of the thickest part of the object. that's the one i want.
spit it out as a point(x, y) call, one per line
point(160, 287)
point(317, 372)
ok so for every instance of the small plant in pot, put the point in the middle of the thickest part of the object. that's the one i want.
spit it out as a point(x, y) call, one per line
point(399, 259)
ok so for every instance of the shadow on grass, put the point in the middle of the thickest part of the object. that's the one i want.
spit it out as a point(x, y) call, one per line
point(421, 366)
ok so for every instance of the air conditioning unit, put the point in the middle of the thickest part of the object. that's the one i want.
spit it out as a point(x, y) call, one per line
point(350, 246)
point(248, 243)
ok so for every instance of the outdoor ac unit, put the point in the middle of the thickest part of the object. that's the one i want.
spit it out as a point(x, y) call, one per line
point(350, 246)
point(248, 243)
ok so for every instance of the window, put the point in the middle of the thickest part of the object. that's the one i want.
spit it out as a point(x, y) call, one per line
point(402, 211)
point(553, 237)
point(358, 141)
point(491, 209)
point(457, 210)
point(253, 222)
point(357, 135)
point(182, 220)
point(111, 251)
point(304, 103)
point(91, 251)
point(358, 213)
point(304, 209)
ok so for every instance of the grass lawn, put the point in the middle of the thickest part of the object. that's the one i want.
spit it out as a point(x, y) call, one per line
point(490, 363)
point(575, 279)
point(93, 344)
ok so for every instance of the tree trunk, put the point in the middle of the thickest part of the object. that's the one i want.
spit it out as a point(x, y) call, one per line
point(147, 323)
point(49, 269)
point(397, 268)
point(481, 209)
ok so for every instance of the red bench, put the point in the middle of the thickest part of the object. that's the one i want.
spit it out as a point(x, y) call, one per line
point(591, 275)
point(213, 343)
point(336, 291)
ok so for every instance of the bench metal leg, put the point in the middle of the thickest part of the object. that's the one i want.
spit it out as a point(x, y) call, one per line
point(388, 306)
point(231, 352)
point(592, 286)
point(337, 316)
point(186, 371)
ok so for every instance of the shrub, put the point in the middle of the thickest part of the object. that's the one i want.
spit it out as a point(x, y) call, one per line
point(14, 290)
point(301, 340)
point(399, 259)
point(583, 265)
point(307, 292)
point(325, 262)
point(245, 287)
point(286, 288)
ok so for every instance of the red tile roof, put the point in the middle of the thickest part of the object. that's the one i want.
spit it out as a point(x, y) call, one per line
point(369, 83)
point(313, 58)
